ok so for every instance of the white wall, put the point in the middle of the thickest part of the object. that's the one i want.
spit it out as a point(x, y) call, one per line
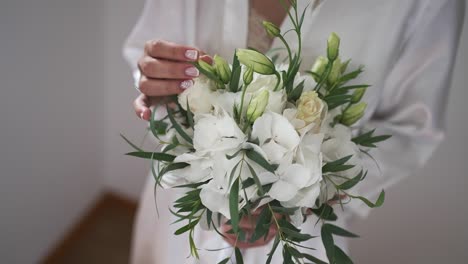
point(123, 174)
point(51, 120)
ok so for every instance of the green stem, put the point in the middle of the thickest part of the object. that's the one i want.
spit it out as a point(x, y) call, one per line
point(287, 47)
point(242, 103)
point(278, 80)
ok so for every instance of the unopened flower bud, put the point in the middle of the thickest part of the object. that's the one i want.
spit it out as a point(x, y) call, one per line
point(207, 67)
point(271, 29)
point(222, 68)
point(335, 71)
point(319, 67)
point(248, 75)
point(353, 114)
point(257, 105)
point(357, 95)
point(333, 46)
point(259, 62)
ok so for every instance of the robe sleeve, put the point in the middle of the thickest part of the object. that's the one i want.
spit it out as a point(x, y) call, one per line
point(170, 20)
point(413, 100)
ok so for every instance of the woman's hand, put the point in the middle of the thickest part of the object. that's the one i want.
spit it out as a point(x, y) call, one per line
point(165, 69)
point(248, 226)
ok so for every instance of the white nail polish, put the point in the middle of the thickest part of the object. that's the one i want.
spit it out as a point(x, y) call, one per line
point(192, 71)
point(191, 54)
point(186, 84)
point(142, 115)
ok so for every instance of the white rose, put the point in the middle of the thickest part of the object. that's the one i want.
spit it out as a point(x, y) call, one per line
point(310, 108)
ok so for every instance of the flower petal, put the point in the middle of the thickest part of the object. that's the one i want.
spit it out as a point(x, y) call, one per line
point(282, 191)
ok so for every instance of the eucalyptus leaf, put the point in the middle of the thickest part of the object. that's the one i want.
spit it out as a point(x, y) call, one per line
point(328, 243)
point(131, 144)
point(234, 205)
point(254, 156)
point(152, 155)
point(338, 231)
point(177, 126)
point(341, 257)
point(239, 258)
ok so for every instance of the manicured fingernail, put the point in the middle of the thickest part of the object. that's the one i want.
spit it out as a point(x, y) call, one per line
point(191, 54)
point(192, 71)
point(142, 115)
point(186, 84)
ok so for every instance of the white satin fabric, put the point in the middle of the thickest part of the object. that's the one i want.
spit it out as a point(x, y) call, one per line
point(408, 49)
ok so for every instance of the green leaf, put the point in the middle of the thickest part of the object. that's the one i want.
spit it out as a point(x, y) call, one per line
point(234, 205)
point(353, 87)
point(284, 210)
point(341, 257)
point(263, 224)
point(296, 236)
point(337, 165)
point(177, 127)
point(352, 75)
point(158, 127)
point(189, 115)
point(287, 257)
point(186, 228)
point(173, 166)
point(235, 75)
point(154, 155)
point(254, 156)
point(131, 144)
point(296, 92)
point(256, 179)
point(368, 139)
point(335, 230)
point(233, 172)
point(350, 183)
point(328, 243)
point(224, 261)
point(377, 203)
point(193, 248)
point(325, 212)
point(273, 249)
point(314, 259)
point(239, 259)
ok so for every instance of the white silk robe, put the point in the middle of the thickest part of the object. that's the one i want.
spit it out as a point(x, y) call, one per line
point(408, 49)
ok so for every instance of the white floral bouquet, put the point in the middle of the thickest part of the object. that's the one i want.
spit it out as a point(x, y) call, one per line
point(257, 135)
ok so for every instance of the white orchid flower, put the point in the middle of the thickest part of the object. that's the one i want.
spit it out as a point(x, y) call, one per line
point(276, 136)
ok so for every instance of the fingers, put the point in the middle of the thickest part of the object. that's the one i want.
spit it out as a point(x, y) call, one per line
point(142, 107)
point(170, 51)
point(164, 69)
point(206, 59)
point(161, 87)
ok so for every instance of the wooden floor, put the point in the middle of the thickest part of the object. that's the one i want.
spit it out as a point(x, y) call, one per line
point(102, 236)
